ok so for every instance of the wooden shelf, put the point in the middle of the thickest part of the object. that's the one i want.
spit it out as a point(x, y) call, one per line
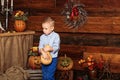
point(16, 33)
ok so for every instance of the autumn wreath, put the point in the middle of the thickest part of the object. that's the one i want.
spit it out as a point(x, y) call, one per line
point(74, 13)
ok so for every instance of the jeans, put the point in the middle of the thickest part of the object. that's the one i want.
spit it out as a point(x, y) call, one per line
point(48, 71)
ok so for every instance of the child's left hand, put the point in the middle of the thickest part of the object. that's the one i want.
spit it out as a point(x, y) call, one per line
point(44, 55)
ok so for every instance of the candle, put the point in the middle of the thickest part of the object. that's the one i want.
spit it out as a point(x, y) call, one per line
point(2, 2)
point(11, 2)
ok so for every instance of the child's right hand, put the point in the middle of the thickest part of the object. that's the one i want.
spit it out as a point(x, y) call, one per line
point(47, 48)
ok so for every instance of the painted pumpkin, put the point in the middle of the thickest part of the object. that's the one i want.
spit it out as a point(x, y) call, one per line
point(19, 25)
point(64, 63)
point(34, 62)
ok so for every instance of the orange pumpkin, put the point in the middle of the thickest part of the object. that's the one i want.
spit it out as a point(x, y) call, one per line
point(19, 25)
point(64, 63)
point(34, 62)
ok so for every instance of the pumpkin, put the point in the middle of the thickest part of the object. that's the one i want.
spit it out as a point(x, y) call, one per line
point(19, 25)
point(46, 60)
point(64, 63)
point(34, 62)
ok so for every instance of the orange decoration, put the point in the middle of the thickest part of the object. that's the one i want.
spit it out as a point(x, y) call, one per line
point(20, 25)
point(65, 63)
point(34, 62)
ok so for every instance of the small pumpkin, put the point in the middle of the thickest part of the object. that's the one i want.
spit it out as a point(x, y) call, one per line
point(64, 63)
point(34, 62)
point(19, 25)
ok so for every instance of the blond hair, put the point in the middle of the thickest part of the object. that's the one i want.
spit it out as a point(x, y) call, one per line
point(50, 21)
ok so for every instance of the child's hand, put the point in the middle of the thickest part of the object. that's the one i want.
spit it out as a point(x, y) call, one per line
point(48, 48)
point(44, 54)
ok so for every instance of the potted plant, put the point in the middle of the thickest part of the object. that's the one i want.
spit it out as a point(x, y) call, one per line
point(92, 65)
point(20, 17)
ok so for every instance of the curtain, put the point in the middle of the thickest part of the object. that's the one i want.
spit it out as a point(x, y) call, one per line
point(14, 49)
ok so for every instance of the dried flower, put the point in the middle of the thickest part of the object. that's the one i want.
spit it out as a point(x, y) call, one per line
point(91, 63)
point(20, 15)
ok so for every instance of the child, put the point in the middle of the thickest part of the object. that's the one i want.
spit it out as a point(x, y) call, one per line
point(52, 39)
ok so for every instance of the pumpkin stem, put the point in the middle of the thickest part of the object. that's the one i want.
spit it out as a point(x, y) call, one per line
point(65, 56)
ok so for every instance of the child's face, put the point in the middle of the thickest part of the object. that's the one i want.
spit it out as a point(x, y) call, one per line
point(47, 28)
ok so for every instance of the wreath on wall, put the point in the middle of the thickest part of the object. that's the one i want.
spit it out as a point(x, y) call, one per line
point(74, 13)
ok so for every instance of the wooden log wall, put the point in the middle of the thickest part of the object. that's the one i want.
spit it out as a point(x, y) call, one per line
point(102, 28)
point(78, 52)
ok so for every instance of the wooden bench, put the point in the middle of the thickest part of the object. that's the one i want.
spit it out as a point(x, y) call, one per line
point(35, 74)
point(64, 75)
